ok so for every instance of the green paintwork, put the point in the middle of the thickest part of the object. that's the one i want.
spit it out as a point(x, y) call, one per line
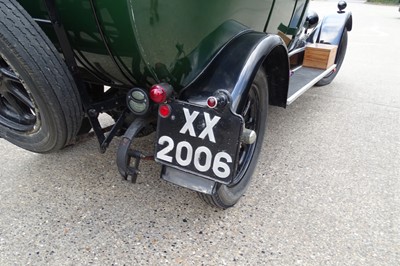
point(159, 39)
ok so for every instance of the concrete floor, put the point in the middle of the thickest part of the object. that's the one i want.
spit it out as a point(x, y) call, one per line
point(326, 191)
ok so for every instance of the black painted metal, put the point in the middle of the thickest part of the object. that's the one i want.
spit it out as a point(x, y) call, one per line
point(188, 180)
point(252, 116)
point(330, 29)
point(227, 134)
point(17, 110)
point(235, 73)
point(125, 153)
point(342, 6)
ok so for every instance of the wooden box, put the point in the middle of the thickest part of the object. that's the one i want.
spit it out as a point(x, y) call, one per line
point(318, 55)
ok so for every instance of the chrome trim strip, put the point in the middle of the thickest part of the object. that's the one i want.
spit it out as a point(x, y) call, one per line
point(42, 20)
point(296, 68)
point(296, 51)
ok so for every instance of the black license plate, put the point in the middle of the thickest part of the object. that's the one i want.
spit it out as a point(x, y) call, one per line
point(200, 140)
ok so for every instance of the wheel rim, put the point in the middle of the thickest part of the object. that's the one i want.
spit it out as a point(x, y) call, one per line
point(251, 116)
point(17, 109)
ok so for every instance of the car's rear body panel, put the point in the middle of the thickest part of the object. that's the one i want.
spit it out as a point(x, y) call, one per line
point(151, 40)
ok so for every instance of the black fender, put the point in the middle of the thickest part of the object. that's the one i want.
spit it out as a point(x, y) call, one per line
point(331, 28)
point(235, 66)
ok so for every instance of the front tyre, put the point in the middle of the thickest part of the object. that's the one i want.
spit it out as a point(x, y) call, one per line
point(40, 108)
point(254, 113)
point(341, 52)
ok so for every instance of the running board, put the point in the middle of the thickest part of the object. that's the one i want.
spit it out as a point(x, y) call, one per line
point(303, 79)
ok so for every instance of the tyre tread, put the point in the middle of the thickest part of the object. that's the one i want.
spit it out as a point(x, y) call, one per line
point(42, 60)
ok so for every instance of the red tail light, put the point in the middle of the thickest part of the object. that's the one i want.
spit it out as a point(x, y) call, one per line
point(164, 110)
point(219, 100)
point(212, 102)
point(158, 94)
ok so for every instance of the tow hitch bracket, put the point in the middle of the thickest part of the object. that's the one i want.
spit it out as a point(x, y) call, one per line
point(125, 153)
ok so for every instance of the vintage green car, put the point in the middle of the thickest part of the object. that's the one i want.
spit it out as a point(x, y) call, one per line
point(200, 74)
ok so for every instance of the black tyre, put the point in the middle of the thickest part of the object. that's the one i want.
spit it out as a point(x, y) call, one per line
point(341, 53)
point(255, 115)
point(40, 108)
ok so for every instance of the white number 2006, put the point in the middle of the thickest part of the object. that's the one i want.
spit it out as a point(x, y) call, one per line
point(219, 167)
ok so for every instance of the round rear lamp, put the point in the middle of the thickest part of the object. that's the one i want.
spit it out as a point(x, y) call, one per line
point(138, 101)
point(212, 102)
point(158, 94)
point(164, 110)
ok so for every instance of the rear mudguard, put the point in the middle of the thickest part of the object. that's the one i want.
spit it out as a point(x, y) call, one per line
point(235, 67)
point(233, 71)
point(331, 28)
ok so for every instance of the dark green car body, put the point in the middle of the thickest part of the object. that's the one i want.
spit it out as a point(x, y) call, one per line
point(137, 42)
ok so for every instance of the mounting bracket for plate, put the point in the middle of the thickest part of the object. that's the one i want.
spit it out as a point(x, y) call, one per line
point(125, 153)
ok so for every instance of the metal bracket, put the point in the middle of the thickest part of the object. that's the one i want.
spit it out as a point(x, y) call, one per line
point(125, 153)
point(93, 112)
